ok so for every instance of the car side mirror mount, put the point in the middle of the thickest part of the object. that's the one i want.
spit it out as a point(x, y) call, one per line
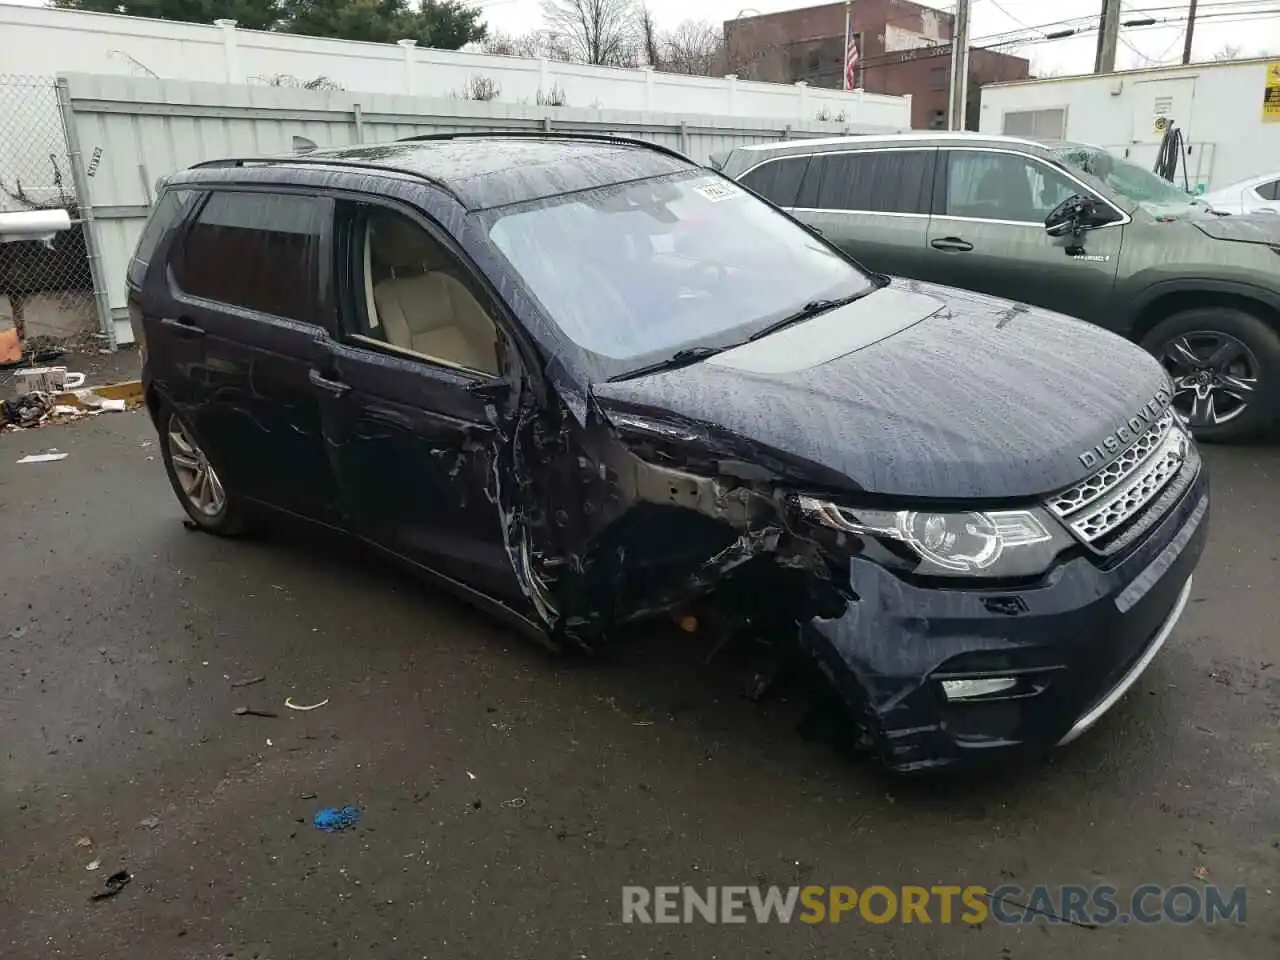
point(1072, 217)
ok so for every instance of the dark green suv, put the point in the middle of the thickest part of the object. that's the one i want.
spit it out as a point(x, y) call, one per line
point(1064, 226)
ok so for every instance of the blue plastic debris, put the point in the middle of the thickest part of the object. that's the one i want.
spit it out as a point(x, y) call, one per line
point(333, 819)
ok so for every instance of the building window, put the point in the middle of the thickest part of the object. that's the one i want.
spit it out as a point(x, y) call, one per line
point(1048, 124)
point(939, 120)
point(938, 78)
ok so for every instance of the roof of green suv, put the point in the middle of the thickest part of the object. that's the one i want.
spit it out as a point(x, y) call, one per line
point(741, 158)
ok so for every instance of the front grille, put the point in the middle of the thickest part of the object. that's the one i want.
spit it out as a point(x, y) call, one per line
point(1102, 504)
point(1086, 492)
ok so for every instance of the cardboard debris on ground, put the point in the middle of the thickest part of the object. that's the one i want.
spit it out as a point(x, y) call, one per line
point(10, 346)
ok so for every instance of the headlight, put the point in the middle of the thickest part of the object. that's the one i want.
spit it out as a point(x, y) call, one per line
point(992, 543)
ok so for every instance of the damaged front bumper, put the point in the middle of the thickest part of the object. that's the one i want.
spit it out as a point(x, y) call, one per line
point(943, 677)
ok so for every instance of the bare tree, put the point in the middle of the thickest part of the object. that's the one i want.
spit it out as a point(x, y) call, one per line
point(1229, 51)
point(695, 48)
point(538, 45)
point(594, 31)
point(650, 44)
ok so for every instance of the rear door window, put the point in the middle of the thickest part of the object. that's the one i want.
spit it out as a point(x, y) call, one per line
point(1269, 191)
point(778, 180)
point(987, 185)
point(167, 211)
point(256, 250)
point(870, 181)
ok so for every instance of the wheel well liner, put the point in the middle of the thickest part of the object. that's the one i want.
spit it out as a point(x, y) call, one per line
point(1165, 299)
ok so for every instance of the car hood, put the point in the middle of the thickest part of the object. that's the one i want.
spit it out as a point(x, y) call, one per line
point(1243, 228)
point(916, 390)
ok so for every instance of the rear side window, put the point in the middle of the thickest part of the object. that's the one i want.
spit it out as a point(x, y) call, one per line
point(871, 181)
point(1269, 191)
point(778, 180)
point(259, 251)
point(167, 211)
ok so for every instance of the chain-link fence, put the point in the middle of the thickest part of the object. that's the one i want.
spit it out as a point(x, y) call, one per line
point(46, 286)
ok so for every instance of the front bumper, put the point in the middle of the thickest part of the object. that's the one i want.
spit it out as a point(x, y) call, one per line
point(1051, 658)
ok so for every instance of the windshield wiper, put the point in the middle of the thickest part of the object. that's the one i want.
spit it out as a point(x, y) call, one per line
point(681, 358)
point(810, 309)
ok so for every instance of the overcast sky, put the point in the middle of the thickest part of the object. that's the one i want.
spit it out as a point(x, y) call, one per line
point(1222, 23)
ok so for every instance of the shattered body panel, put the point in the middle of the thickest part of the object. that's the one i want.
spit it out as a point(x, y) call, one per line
point(574, 504)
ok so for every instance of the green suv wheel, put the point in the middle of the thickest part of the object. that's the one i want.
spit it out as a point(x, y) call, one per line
point(1225, 366)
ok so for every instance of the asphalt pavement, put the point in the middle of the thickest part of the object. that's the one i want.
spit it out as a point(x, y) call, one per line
point(506, 796)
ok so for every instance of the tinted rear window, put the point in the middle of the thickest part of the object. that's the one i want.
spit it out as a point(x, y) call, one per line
point(167, 211)
point(259, 251)
point(871, 181)
point(778, 180)
point(1270, 191)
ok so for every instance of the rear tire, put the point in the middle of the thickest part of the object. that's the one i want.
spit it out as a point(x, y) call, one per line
point(1225, 365)
point(196, 483)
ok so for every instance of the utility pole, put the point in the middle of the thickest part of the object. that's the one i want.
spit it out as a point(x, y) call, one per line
point(1108, 34)
point(959, 67)
point(1191, 29)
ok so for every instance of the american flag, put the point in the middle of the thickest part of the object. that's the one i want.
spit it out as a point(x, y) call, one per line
point(850, 62)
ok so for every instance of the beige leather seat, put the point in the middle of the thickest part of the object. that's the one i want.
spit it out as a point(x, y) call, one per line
point(420, 307)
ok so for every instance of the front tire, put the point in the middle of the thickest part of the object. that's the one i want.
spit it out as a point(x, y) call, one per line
point(195, 481)
point(1225, 366)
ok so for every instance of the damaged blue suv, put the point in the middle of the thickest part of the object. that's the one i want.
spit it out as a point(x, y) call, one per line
point(583, 382)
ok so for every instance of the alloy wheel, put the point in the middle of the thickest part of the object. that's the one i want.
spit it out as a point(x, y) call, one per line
point(199, 481)
point(1214, 377)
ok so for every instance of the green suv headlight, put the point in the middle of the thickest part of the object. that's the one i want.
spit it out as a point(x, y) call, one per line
point(974, 543)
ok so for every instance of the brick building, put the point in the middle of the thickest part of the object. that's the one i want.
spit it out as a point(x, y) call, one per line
point(903, 48)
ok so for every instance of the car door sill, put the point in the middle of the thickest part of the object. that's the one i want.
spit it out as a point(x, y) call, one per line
point(490, 605)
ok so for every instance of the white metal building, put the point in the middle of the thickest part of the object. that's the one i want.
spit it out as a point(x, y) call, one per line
point(1229, 114)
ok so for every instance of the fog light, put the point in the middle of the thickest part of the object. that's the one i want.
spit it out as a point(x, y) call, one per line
point(969, 689)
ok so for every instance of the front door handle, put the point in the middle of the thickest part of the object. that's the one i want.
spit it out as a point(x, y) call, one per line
point(951, 245)
point(183, 326)
point(333, 387)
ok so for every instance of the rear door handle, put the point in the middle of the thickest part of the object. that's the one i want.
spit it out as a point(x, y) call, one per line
point(951, 244)
point(333, 387)
point(183, 326)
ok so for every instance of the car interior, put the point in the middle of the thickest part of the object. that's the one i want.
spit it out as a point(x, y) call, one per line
point(414, 301)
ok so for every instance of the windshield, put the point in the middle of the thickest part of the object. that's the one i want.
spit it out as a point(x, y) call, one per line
point(1157, 196)
point(634, 272)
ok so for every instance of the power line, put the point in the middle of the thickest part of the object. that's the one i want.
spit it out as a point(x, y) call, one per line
point(1079, 26)
point(1009, 15)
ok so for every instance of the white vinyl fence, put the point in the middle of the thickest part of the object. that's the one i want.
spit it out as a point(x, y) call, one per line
point(126, 132)
point(41, 41)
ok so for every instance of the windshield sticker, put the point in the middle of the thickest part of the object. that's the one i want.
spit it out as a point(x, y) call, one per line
point(715, 192)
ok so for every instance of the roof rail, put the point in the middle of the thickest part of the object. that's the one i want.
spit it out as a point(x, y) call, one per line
point(321, 161)
point(547, 135)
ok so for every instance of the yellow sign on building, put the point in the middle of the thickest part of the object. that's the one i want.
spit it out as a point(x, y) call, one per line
point(1271, 94)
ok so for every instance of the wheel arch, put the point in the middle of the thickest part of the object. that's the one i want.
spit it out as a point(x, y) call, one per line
point(153, 400)
point(1163, 300)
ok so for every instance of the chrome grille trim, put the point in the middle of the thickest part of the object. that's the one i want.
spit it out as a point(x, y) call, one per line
point(1114, 473)
point(1139, 487)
